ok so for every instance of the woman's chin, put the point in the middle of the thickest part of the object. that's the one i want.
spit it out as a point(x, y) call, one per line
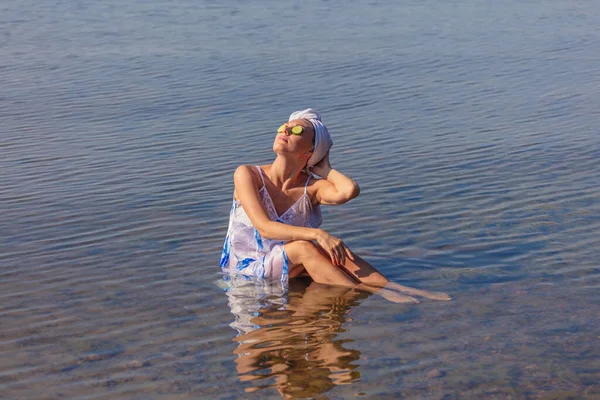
point(278, 147)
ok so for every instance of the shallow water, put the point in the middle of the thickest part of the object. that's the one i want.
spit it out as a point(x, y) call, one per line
point(472, 129)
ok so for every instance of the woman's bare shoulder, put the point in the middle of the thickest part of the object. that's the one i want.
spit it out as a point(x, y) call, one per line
point(246, 173)
point(245, 169)
point(316, 182)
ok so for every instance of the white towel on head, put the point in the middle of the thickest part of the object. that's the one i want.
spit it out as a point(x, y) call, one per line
point(323, 140)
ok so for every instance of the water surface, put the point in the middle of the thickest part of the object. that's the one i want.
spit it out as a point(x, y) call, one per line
point(472, 129)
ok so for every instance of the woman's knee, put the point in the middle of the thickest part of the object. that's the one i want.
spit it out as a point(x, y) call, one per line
point(299, 250)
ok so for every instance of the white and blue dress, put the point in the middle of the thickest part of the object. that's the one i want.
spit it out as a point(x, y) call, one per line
point(246, 252)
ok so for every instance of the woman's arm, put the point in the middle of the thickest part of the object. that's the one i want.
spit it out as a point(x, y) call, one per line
point(335, 187)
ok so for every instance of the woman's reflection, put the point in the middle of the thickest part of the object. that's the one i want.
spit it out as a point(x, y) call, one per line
point(289, 341)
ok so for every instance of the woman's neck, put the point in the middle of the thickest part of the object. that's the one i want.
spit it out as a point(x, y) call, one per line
point(285, 173)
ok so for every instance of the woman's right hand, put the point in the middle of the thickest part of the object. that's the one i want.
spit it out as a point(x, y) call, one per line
point(335, 248)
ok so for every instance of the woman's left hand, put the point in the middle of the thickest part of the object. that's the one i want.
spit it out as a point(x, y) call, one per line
point(334, 247)
point(322, 168)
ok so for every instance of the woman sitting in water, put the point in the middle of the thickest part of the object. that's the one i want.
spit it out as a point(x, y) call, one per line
point(274, 222)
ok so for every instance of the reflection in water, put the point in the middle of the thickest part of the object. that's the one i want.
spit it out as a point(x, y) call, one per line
point(288, 340)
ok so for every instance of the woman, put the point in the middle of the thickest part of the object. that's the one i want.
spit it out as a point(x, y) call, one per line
point(274, 221)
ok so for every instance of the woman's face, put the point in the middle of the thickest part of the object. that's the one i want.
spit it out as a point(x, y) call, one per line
point(296, 144)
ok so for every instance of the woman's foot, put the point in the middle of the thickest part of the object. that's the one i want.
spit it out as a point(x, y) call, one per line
point(417, 292)
point(396, 297)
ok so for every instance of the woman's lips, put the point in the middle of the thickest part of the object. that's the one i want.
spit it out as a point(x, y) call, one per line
point(281, 138)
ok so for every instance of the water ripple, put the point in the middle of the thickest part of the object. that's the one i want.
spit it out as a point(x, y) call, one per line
point(477, 154)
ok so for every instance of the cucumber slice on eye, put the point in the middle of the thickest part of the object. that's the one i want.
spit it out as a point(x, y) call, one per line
point(296, 130)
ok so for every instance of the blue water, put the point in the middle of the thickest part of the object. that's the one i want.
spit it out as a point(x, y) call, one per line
point(471, 127)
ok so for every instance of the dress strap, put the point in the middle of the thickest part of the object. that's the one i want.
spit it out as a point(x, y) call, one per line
point(306, 184)
point(261, 176)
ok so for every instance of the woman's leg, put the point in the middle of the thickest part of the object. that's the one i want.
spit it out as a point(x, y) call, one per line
point(367, 274)
point(304, 255)
point(363, 272)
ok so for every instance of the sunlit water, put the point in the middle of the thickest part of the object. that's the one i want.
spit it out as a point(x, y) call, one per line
point(472, 128)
